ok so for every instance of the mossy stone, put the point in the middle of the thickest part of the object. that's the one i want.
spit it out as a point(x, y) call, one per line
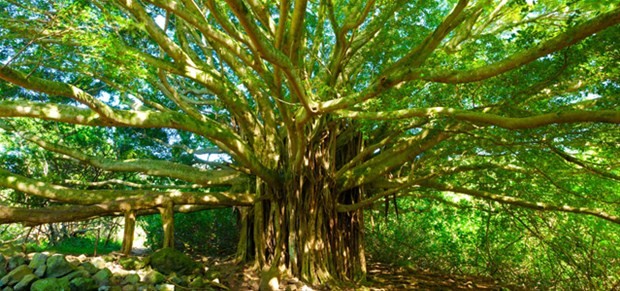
point(58, 284)
point(168, 260)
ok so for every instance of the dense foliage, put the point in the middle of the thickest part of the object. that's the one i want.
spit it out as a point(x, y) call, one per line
point(305, 114)
point(518, 247)
point(214, 232)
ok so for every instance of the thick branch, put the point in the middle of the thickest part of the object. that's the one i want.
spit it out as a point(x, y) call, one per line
point(88, 197)
point(418, 55)
point(583, 164)
point(156, 33)
point(149, 167)
point(31, 217)
point(222, 136)
point(608, 116)
point(557, 43)
point(517, 60)
point(523, 203)
point(405, 150)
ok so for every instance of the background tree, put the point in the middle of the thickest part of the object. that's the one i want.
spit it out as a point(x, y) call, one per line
point(320, 109)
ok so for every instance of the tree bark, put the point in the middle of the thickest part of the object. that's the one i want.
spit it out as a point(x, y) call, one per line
point(167, 219)
point(128, 233)
point(297, 227)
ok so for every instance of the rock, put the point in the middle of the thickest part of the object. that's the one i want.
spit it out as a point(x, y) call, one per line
point(269, 279)
point(98, 262)
point(146, 288)
point(3, 262)
point(37, 261)
point(58, 266)
point(91, 268)
point(131, 279)
point(82, 283)
point(77, 273)
point(131, 263)
point(24, 283)
point(165, 287)
point(40, 271)
point(16, 261)
point(51, 284)
point(103, 276)
point(109, 258)
point(15, 276)
point(168, 260)
point(154, 277)
point(73, 260)
point(176, 279)
point(116, 279)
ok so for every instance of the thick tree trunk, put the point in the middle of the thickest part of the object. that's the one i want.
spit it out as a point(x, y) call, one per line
point(128, 232)
point(304, 234)
point(297, 227)
point(167, 219)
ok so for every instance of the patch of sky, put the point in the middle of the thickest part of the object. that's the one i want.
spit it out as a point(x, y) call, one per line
point(482, 152)
point(415, 130)
point(161, 21)
point(105, 97)
point(572, 99)
point(173, 136)
point(215, 158)
point(456, 197)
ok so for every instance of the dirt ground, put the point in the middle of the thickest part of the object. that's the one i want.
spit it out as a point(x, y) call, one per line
point(380, 277)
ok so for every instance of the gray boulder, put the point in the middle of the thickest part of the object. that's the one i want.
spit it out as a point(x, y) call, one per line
point(2, 265)
point(24, 283)
point(103, 276)
point(15, 276)
point(38, 260)
point(90, 267)
point(16, 261)
point(77, 273)
point(40, 271)
point(58, 266)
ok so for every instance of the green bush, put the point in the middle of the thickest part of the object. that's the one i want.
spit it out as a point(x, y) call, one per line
point(212, 232)
point(528, 248)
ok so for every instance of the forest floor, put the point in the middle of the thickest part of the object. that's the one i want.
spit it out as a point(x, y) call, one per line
point(380, 277)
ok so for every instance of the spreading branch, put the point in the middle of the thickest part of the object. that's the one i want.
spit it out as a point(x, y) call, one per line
point(521, 202)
